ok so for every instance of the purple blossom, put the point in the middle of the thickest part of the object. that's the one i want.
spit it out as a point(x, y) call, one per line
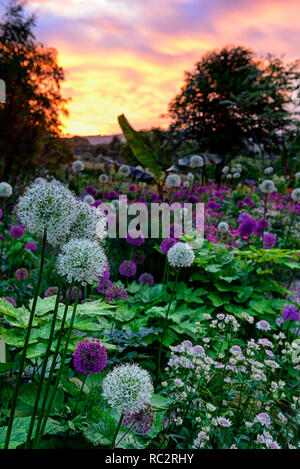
point(1, 213)
point(141, 421)
point(73, 294)
point(247, 227)
point(269, 239)
point(21, 274)
point(166, 244)
point(31, 246)
point(103, 285)
point(135, 241)
point(146, 279)
point(11, 300)
point(91, 190)
point(90, 357)
point(17, 231)
point(128, 269)
point(290, 313)
point(243, 217)
point(51, 291)
point(261, 225)
point(115, 293)
point(138, 256)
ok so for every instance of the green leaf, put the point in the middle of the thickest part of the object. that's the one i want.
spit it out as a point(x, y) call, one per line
point(144, 154)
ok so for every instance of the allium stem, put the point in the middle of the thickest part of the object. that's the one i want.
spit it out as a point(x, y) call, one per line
point(80, 393)
point(117, 430)
point(165, 329)
point(53, 364)
point(27, 337)
point(122, 437)
point(63, 359)
point(264, 218)
point(45, 362)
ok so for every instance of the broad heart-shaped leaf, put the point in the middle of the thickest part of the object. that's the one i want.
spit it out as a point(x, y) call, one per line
point(44, 305)
point(101, 433)
point(20, 430)
point(26, 399)
point(14, 337)
point(95, 308)
point(144, 154)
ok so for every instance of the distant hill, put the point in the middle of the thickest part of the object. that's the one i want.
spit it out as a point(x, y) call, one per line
point(96, 139)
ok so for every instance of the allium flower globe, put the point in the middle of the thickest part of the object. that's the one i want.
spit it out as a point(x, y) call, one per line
point(146, 279)
point(49, 206)
point(5, 190)
point(128, 388)
point(295, 195)
point(225, 170)
point(142, 421)
point(103, 178)
point(196, 161)
point(78, 166)
point(89, 222)
point(90, 357)
point(223, 227)
point(81, 260)
point(124, 170)
point(269, 170)
point(190, 177)
point(89, 199)
point(173, 180)
point(180, 255)
point(267, 186)
point(290, 313)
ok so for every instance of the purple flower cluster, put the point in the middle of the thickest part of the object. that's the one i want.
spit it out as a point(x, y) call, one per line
point(290, 313)
point(17, 231)
point(31, 246)
point(115, 293)
point(138, 257)
point(269, 240)
point(73, 294)
point(128, 269)
point(21, 274)
point(138, 241)
point(11, 300)
point(90, 357)
point(166, 244)
point(141, 421)
point(247, 227)
point(146, 279)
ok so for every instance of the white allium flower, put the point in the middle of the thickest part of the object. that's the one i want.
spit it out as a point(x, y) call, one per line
point(128, 388)
point(173, 180)
point(181, 255)
point(267, 186)
point(225, 170)
point(78, 166)
point(236, 175)
point(103, 178)
point(196, 161)
point(229, 176)
point(81, 260)
point(49, 206)
point(223, 227)
point(139, 168)
point(89, 222)
point(190, 177)
point(186, 184)
point(40, 180)
point(239, 167)
point(124, 170)
point(5, 190)
point(89, 199)
point(296, 195)
point(269, 170)
point(234, 169)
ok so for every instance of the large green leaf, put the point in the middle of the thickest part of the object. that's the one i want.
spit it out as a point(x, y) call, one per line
point(144, 154)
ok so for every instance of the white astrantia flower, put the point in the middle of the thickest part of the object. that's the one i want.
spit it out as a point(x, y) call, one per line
point(190, 177)
point(49, 206)
point(181, 255)
point(225, 170)
point(269, 170)
point(124, 170)
point(81, 261)
point(173, 180)
point(78, 166)
point(196, 161)
point(295, 195)
point(89, 199)
point(5, 190)
point(103, 178)
point(89, 223)
point(267, 186)
point(223, 227)
point(128, 388)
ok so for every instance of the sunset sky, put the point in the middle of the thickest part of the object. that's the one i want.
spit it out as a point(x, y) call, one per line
point(129, 56)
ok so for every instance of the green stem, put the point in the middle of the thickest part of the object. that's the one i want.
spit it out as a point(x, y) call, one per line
point(54, 358)
point(117, 430)
point(122, 437)
point(165, 329)
point(80, 394)
point(59, 374)
point(23, 357)
point(45, 362)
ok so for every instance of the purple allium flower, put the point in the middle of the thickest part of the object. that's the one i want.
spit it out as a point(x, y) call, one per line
point(51, 291)
point(290, 313)
point(17, 231)
point(154, 197)
point(146, 279)
point(91, 190)
point(31, 246)
point(261, 225)
point(73, 294)
point(141, 421)
point(103, 285)
point(212, 205)
point(111, 194)
point(105, 273)
point(11, 300)
point(243, 217)
point(128, 269)
point(90, 357)
point(21, 274)
point(135, 241)
point(115, 293)
point(269, 239)
point(247, 227)
point(166, 244)
point(138, 256)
